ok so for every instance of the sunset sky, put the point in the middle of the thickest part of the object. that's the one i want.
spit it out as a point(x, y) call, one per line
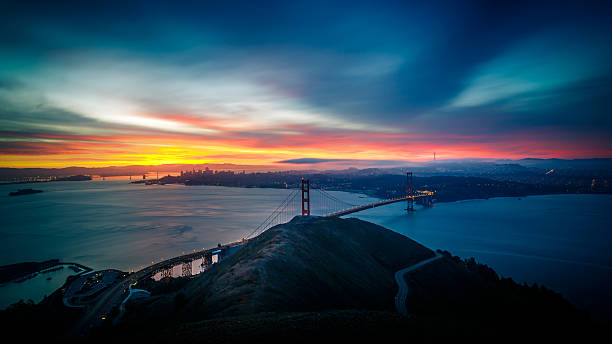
point(89, 83)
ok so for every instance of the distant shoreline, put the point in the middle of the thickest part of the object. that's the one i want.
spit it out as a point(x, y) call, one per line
point(369, 193)
point(373, 194)
point(76, 178)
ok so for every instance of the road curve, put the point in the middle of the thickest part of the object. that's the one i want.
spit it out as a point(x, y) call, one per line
point(112, 297)
point(102, 307)
point(402, 292)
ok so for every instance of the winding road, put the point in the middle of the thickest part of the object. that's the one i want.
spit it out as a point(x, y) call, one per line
point(402, 292)
point(95, 313)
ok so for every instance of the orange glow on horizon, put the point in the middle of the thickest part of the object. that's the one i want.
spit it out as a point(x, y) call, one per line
point(40, 150)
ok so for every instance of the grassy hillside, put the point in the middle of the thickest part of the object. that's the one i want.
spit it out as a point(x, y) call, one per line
point(309, 264)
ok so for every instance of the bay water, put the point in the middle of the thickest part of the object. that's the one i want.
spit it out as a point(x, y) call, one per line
point(560, 241)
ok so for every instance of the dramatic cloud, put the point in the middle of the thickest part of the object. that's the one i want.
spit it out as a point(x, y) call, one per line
point(111, 83)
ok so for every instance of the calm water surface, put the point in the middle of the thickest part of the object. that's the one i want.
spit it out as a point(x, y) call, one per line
point(560, 241)
point(115, 224)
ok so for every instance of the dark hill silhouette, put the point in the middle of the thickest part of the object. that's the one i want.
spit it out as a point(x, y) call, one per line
point(309, 264)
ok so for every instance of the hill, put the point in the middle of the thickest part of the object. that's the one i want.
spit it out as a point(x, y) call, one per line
point(309, 264)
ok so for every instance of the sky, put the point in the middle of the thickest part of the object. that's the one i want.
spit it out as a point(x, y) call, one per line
point(88, 83)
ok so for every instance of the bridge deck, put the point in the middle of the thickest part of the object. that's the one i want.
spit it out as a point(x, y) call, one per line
point(378, 204)
point(152, 269)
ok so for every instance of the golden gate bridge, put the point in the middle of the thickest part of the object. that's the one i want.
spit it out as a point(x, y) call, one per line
point(298, 202)
point(328, 205)
point(324, 203)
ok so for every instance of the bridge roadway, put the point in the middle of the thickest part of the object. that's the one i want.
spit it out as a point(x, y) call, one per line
point(97, 312)
point(153, 269)
point(421, 194)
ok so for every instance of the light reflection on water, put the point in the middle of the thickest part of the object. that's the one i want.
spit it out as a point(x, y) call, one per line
point(115, 224)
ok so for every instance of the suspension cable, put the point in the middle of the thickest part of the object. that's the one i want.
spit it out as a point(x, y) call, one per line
point(275, 214)
point(327, 194)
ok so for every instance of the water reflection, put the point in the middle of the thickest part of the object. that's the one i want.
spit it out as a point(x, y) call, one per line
point(115, 224)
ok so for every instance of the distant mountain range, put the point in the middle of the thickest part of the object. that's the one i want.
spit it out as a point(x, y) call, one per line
point(132, 170)
point(468, 167)
point(599, 163)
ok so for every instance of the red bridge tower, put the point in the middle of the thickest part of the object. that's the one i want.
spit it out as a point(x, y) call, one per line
point(305, 197)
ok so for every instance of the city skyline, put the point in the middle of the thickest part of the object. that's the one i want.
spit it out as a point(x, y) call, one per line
point(290, 84)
